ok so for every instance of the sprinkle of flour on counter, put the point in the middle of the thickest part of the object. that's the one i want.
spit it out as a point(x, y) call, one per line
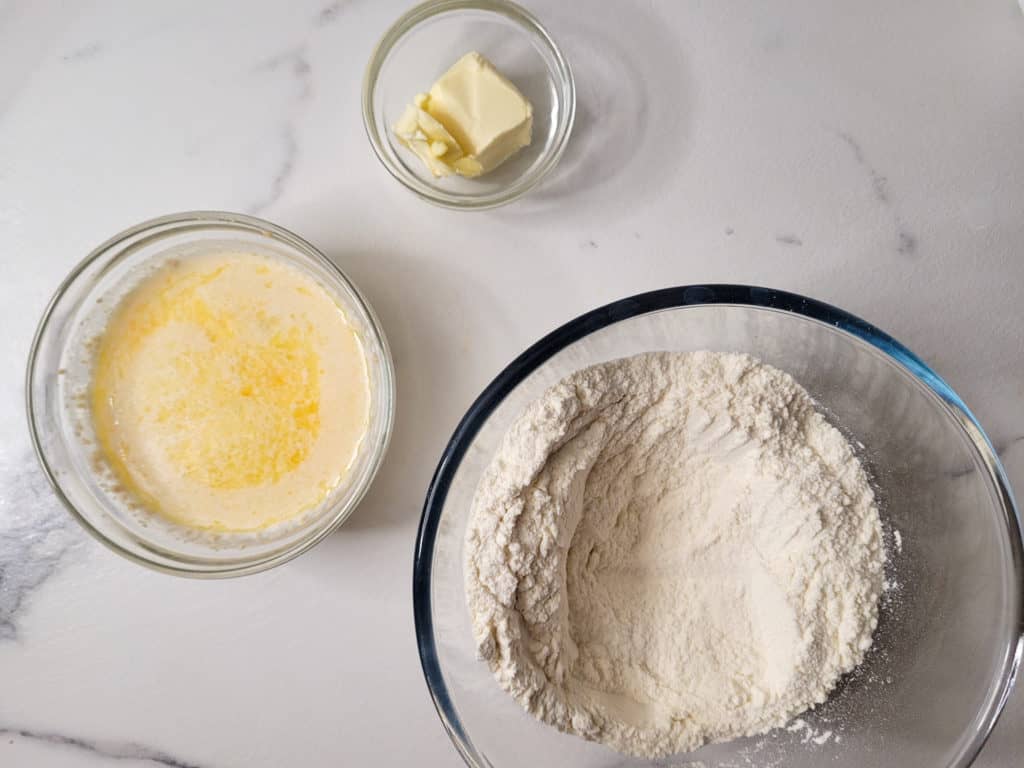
point(673, 549)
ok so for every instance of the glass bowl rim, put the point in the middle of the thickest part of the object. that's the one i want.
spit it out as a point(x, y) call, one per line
point(672, 298)
point(529, 23)
point(192, 221)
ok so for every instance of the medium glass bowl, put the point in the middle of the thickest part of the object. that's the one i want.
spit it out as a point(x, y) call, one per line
point(949, 639)
point(60, 369)
point(422, 45)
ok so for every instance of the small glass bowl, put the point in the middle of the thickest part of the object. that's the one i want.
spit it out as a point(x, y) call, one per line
point(60, 370)
point(422, 45)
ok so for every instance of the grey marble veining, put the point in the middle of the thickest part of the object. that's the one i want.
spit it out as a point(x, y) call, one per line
point(113, 750)
point(330, 13)
point(85, 52)
point(37, 535)
point(730, 142)
point(906, 242)
point(295, 64)
point(1003, 447)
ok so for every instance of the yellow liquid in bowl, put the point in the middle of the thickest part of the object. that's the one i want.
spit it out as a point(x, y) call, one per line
point(229, 393)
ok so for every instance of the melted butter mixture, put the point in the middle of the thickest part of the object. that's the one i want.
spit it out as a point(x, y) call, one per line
point(229, 393)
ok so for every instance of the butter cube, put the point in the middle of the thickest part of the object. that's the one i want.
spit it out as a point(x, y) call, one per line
point(488, 116)
point(431, 142)
point(472, 120)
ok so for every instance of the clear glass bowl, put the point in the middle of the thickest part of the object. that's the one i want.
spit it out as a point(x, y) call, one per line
point(58, 378)
point(422, 45)
point(949, 640)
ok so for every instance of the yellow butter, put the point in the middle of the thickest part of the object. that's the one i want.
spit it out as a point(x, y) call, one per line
point(483, 110)
point(474, 111)
point(425, 136)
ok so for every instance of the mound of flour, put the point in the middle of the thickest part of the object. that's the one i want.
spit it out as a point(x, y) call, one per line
point(673, 549)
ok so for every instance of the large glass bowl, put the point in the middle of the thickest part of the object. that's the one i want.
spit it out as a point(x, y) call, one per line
point(950, 634)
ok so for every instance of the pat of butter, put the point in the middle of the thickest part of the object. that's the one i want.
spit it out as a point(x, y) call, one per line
point(471, 122)
point(425, 136)
point(485, 112)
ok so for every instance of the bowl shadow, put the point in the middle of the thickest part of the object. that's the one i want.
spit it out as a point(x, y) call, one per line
point(422, 351)
point(630, 136)
point(419, 352)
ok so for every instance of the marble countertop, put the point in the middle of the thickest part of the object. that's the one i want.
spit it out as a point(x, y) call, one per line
point(869, 154)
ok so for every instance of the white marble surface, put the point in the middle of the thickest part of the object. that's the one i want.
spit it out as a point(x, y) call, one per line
point(868, 153)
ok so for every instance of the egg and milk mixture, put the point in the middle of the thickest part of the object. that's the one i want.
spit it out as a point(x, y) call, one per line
point(229, 393)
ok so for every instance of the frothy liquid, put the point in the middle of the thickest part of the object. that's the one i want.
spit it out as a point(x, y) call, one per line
point(229, 393)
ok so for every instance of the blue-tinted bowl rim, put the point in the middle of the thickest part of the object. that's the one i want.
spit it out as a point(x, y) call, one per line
point(654, 301)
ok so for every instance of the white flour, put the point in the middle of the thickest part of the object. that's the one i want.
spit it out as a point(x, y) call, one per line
point(673, 549)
